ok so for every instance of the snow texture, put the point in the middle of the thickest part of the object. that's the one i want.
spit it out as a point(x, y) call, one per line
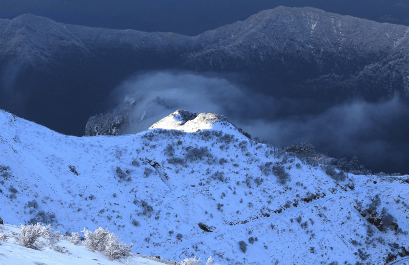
point(192, 187)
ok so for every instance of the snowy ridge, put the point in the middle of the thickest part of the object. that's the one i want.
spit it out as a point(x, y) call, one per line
point(196, 186)
point(186, 121)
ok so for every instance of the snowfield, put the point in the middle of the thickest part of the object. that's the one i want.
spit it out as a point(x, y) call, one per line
point(194, 186)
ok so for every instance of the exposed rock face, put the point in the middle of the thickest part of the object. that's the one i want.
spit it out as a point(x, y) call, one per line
point(65, 72)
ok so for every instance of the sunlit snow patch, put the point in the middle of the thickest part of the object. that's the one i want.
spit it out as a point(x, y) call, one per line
point(186, 121)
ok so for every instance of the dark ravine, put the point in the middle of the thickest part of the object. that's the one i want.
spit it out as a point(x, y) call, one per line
point(59, 75)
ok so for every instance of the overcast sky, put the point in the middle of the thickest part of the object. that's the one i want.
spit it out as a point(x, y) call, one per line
point(189, 17)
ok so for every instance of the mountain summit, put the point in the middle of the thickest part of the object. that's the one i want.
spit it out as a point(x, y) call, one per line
point(186, 121)
point(183, 192)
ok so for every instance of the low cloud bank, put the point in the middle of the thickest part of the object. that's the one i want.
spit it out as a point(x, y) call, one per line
point(375, 132)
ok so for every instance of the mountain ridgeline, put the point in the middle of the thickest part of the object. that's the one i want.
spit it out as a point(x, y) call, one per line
point(58, 75)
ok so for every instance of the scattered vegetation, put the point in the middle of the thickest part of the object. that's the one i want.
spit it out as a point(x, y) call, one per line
point(205, 227)
point(73, 170)
point(243, 246)
point(44, 218)
point(122, 175)
point(282, 175)
point(337, 176)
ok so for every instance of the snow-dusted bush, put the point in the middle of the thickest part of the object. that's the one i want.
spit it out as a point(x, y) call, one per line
point(120, 173)
point(148, 171)
point(243, 146)
point(170, 150)
point(191, 261)
point(52, 237)
point(4, 172)
point(95, 241)
point(243, 246)
point(194, 261)
point(13, 190)
point(337, 176)
point(266, 168)
point(43, 217)
point(75, 238)
point(223, 161)
point(193, 153)
point(135, 163)
point(31, 204)
point(388, 221)
point(303, 148)
point(3, 237)
point(106, 242)
point(282, 175)
point(30, 233)
point(219, 175)
point(147, 209)
point(114, 249)
point(227, 138)
point(210, 260)
point(176, 161)
point(258, 181)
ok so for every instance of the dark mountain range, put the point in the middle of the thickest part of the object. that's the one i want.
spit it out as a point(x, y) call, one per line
point(58, 75)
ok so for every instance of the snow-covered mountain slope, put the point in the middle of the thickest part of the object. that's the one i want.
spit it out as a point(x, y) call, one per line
point(178, 194)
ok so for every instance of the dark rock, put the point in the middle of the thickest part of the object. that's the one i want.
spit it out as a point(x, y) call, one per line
point(1, 221)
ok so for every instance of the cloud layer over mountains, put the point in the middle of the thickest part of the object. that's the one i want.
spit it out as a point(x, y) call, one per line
point(297, 73)
point(374, 132)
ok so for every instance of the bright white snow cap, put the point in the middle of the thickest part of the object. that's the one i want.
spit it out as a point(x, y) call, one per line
point(186, 121)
